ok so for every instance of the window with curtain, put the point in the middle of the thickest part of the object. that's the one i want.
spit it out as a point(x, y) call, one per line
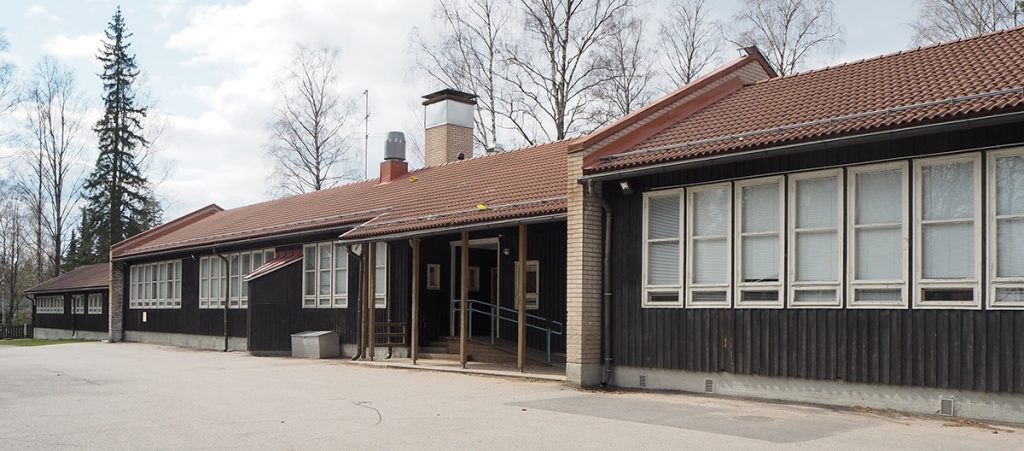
point(325, 276)
point(1006, 229)
point(709, 263)
point(662, 248)
point(815, 257)
point(948, 238)
point(759, 250)
point(380, 287)
point(878, 226)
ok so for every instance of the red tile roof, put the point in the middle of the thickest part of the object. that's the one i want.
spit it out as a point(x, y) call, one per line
point(283, 259)
point(960, 79)
point(82, 278)
point(514, 184)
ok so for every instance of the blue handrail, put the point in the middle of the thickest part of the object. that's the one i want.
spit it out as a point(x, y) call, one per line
point(495, 311)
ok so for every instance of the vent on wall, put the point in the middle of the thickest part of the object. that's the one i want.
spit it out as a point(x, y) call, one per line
point(709, 386)
point(947, 406)
point(643, 380)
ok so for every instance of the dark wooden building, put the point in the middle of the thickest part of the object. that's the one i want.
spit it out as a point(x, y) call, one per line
point(851, 235)
point(72, 305)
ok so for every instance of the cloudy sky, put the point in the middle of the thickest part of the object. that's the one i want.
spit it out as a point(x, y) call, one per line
point(209, 67)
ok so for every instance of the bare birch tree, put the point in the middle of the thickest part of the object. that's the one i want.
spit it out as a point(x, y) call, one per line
point(469, 56)
point(12, 243)
point(627, 63)
point(8, 97)
point(944, 20)
point(690, 39)
point(553, 71)
point(54, 118)
point(787, 31)
point(309, 143)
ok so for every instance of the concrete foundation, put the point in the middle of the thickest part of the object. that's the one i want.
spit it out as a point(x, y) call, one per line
point(968, 404)
point(380, 353)
point(583, 375)
point(210, 342)
point(67, 334)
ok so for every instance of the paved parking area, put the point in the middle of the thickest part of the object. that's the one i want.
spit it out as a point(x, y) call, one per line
point(134, 396)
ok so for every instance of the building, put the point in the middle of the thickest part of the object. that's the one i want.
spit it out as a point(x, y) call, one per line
point(853, 235)
point(72, 305)
point(248, 278)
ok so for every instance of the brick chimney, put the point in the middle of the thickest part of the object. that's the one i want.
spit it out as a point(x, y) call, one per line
point(394, 165)
point(448, 119)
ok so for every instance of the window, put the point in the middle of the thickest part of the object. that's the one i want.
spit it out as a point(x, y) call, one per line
point(947, 238)
point(662, 249)
point(50, 305)
point(1006, 229)
point(325, 276)
point(155, 285)
point(532, 284)
point(878, 236)
point(78, 304)
point(474, 278)
point(380, 298)
point(815, 236)
point(708, 235)
point(96, 304)
point(433, 276)
point(215, 278)
point(759, 252)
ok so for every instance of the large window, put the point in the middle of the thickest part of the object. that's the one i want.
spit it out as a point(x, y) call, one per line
point(155, 285)
point(50, 305)
point(947, 238)
point(325, 276)
point(878, 236)
point(380, 297)
point(1006, 229)
point(96, 304)
point(709, 241)
point(78, 304)
point(215, 278)
point(759, 251)
point(815, 239)
point(662, 249)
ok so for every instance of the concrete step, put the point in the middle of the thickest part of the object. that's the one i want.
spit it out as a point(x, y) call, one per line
point(434, 349)
point(436, 356)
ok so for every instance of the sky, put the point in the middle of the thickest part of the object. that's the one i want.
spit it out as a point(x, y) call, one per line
point(209, 67)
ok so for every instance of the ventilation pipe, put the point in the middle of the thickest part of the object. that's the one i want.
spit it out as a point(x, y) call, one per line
point(394, 165)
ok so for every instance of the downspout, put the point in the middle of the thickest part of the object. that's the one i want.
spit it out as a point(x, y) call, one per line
point(227, 293)
point(359, 296)
point(606, 289)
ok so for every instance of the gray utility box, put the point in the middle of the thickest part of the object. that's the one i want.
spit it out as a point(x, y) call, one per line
point(317, 344)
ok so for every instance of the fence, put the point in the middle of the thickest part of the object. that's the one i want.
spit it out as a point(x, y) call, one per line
point(22, 331)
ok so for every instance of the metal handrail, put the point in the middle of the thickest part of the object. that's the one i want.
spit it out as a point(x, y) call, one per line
point(494, 311)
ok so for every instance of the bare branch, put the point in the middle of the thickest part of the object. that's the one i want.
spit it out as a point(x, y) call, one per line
point(690, 40)
point(945, 20)
point(787, 31)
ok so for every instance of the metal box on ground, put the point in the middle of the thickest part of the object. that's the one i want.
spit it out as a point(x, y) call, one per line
point(317, 344)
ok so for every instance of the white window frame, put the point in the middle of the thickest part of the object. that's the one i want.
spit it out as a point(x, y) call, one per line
point(155, 285)
point(974, 283)
point(380, 297)
point(78, 304)
point(95, 303)
point(742, 286)
point(229, 278)
point(995, 282)
point(853, 283)
point(691, 285)
point(649, 289)
point(50, 305)
point(792, 231)
point(212, 300)
point(532, 299)
point(332, 299)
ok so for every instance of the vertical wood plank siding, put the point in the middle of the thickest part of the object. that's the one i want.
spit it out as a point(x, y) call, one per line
point(69, 320)
point(956, 349)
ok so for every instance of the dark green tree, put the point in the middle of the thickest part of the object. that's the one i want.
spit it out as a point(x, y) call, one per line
point(119, 198)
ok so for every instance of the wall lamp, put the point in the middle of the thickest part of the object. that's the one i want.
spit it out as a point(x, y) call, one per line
point(626, 188)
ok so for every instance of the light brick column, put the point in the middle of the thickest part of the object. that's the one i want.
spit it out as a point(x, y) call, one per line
point(583, 280)
point(115, 303)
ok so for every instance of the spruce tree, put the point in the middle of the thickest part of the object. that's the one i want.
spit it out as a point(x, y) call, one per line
point(119, 198)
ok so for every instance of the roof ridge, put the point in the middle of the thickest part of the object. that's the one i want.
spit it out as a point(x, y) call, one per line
point(1019, 28)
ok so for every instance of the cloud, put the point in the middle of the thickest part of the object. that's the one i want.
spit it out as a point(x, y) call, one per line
point(40, 12)
point(219, 153)
point(80, 46)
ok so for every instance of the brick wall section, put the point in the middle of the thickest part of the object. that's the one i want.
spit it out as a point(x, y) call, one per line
point(583, 272)
point(116, 309)
point(443, 143)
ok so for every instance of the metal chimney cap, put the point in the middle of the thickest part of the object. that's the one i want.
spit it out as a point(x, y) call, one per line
point(449, 94)
point(394, 146)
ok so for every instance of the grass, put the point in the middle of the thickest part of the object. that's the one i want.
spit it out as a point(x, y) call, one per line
point(39, 342)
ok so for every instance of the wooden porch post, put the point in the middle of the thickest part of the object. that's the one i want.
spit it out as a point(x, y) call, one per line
point(414, 324)
point(371, 291)
point(464, 303)
point(521, 299)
